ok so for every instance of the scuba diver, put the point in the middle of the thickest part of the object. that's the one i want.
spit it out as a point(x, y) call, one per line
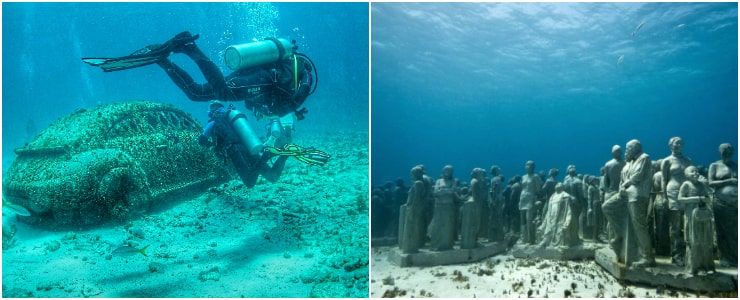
point(231, 137)
point(270, 76)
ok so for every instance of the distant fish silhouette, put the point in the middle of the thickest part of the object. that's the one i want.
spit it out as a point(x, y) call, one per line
point(620, 59)
point(128, 251)
point(638, 28)
point(681, 25)
point(16, 209)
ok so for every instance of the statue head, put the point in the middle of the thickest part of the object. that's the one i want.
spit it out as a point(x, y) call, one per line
point(529, 166)
point(559, 187)
point(478, 173)
point(692, 173)
point(616, 152)
point(726, 151)
point(634, 149)
point(675, 144)
point(447, 172)
point(417, 173)
point(554, 173)
point(572, 170)
point(495, 170)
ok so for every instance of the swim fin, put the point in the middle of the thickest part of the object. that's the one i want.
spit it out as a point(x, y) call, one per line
point(309, 156)
point(144, 56)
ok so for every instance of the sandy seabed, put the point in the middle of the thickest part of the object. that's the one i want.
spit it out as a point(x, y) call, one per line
point(304, 236)
point(504, 276)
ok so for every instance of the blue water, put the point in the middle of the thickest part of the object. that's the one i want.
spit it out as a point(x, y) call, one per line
point(478, 84)
point(44, 78)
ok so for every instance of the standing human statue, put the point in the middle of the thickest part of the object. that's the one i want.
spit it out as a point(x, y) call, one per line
point(495, 214)
point(548, 188)
point(673, 176)
point(574, 187)
point(612, 174)
point(511, 205)
point(723, 178)
point(531, 191)
point(471, 214)
point(428, 200)
point(635, 185)
point(400, 194)
point(412, 236)
point(699, 228)
point(661, 213)
point(442, 229)
point(594, 207)
point(555, 225)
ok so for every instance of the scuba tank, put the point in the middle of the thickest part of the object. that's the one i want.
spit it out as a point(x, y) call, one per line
point(238, 121)
point(252, 54)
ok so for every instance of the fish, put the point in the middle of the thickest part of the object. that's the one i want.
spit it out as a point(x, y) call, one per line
point(638, 28)
point(620, 59)
point(128, 251)
point(16, 209)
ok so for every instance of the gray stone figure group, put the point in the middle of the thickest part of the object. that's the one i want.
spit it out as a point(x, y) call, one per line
point(643, 208)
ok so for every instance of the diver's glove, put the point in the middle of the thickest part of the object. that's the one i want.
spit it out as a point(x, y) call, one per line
point(179, 43)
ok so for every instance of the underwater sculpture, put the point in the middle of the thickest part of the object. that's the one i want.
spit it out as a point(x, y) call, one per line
point(108, 162)
point(531, 191)
point(556, 225)
point(723, 178)
point(627, 210)
point(673, 167)
point(442, 229)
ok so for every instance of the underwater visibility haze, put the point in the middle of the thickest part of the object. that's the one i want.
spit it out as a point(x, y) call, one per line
point(482, 84)
point(305, 235)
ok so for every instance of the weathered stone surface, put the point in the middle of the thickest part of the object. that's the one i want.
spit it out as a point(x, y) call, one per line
point(108, 162)
point(667, 274)
point(581, 252)
point(435, 258)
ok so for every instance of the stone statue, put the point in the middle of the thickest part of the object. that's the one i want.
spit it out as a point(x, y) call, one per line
point(471, 209)
point(594, 214)
point(555, 226)
point(574, 187)
point(428, 200)
point(548, 189)
point(531, 190)
point(661, 214)
point(699, 228)
point(673, 176)
point(495, 221)
point(511, 204)
point(612, 173)
point(634, 188)
point(444, 222)
point(400, 194)
point(412, 237)
point(722, 177)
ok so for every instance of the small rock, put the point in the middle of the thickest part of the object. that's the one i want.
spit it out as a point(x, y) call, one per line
point(156, 267)
point(286, 255)
point(210, 274)
point(53, 245)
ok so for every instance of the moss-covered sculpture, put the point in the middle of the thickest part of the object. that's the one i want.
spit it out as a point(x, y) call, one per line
point(109, 161)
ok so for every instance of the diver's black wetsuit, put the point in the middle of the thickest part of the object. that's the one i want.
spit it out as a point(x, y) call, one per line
point(226, 141)
point(268, 90)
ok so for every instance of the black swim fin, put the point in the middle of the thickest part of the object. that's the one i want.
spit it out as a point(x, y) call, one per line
point(144, 56)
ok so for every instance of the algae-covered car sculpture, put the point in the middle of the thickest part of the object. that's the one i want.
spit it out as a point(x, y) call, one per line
point(108, 162)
